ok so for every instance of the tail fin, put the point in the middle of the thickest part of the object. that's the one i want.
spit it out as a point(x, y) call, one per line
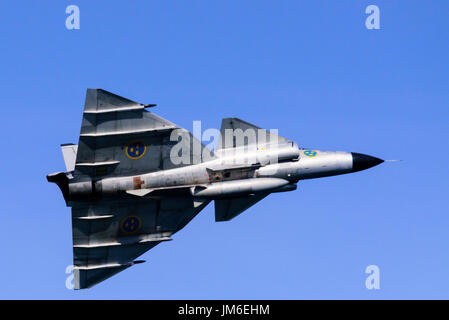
point(61, 178)
point(69, 151)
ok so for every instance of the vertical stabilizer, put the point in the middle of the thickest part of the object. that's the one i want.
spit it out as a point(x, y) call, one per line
point(69, 153)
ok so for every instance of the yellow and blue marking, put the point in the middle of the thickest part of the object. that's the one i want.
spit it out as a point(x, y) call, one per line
point(310, 153)
point(135, 149)
point(130, 224)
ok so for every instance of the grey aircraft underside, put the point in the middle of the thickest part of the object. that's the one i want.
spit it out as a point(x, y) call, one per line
point(127, 194)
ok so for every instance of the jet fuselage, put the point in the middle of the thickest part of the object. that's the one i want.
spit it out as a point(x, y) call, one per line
point(237, 173)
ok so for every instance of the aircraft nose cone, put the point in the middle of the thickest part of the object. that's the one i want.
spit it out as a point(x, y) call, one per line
point(363, 161)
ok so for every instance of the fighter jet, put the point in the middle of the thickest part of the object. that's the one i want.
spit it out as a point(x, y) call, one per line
point(135, 179)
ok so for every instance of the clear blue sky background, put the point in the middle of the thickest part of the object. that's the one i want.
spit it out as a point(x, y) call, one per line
point(309, 68)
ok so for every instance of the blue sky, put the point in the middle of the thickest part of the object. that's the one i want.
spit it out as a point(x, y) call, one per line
point(309, 68)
